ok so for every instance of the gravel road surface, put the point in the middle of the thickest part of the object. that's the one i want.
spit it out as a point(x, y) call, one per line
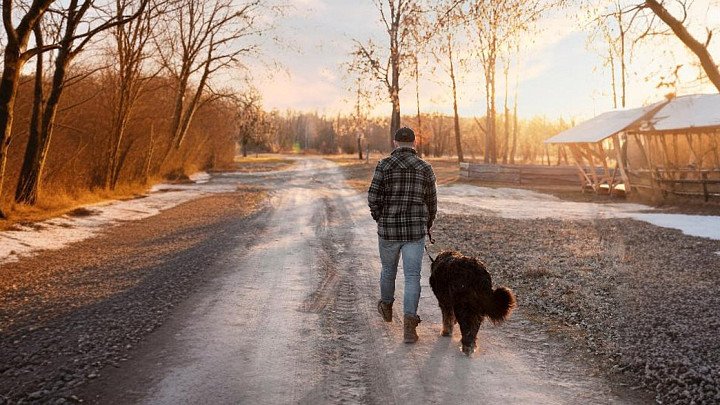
point(279, 307)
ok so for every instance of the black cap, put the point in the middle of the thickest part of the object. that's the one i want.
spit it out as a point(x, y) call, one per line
point(405, 134)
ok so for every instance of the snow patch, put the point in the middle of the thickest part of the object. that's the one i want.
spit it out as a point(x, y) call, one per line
point(704, 226)
point(58, 232)
point(200, 177)
point(526, 204)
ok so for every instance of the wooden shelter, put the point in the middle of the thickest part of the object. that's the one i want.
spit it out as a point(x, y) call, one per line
point(669, 147)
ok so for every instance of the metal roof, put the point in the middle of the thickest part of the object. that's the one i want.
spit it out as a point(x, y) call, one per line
point(687, 112)
point(679, 114)
point(603, 126)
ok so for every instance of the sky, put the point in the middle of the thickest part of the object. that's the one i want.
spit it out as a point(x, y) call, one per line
point(559, 74)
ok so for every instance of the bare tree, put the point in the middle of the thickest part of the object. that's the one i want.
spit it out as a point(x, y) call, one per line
point(400, 18)
point(495, 24)
point(15, 56)
point(131, 42)
point(513, 149)
point(77, 14)
point(443, 36)
point(251, 120)
point(201, 38)
point(612, 24)
point(700, 49)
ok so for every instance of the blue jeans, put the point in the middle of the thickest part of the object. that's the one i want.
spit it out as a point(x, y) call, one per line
point(412, 254)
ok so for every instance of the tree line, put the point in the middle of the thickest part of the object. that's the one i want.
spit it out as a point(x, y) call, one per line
point(277, 131)
point(100, 94)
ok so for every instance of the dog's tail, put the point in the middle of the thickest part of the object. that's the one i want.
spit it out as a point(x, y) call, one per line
point(500, 305)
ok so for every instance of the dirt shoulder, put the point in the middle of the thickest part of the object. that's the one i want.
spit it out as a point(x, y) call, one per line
point(64, 314)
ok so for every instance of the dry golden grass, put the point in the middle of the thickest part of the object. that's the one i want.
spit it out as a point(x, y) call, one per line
point(53, 203)
point(261, 163)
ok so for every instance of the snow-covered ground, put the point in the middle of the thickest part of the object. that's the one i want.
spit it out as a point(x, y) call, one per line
point(527, 204)
point(505, 202)
point(55, 233)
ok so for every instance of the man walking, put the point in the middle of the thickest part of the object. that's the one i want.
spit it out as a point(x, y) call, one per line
point(403, 201)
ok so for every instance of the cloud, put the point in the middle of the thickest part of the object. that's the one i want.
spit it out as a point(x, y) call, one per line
point(326, 74)
point(304, 93)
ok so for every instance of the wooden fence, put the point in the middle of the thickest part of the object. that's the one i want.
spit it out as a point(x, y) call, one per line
point(525, 174)
point(683, 181)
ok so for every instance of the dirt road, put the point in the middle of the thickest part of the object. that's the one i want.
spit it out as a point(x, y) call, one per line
point(292, 320)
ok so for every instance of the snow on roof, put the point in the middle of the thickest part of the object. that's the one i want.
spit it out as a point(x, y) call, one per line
point(680, 113)
point(684, 112)
point(603, 126)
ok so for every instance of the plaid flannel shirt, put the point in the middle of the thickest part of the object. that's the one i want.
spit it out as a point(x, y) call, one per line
point(402, 196)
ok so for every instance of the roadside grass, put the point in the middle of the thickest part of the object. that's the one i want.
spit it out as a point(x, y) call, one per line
point(260, 163)
point(54, 203)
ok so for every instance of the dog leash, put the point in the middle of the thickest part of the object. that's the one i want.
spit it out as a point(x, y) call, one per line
point(432, 242)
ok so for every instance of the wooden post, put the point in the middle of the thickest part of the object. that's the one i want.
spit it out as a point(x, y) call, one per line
point(612, 180)
point(667, 163)
point(665, 153)
point(694, 156)
point(577, 156)
point(716, 153)
point(603, 159)
point(651, 162)
point(591, 161)
point(620, 164)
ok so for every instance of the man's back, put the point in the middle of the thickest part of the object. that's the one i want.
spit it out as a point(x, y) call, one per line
point(402, 196)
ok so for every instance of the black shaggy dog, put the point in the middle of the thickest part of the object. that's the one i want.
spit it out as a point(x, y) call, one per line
point(463, 288)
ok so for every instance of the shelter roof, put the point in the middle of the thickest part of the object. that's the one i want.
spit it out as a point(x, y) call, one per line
point(683, 113)
point(686, 112)
point(603, 126)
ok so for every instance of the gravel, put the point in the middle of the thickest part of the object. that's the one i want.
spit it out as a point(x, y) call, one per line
point(640, 300)
point(66, 314)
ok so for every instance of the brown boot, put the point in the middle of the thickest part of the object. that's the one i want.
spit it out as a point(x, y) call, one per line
point(385, 310)
point(410, 323)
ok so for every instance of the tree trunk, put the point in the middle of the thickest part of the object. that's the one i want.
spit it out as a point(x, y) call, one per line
point(506, 145)
point(488, 124)
point(700, 50)
point(458, 142)
point(418, 130)
point(515, 105)
point(148, 155)
point(13, 63)
point(26, 190)
point(623, 72)
point(360, 156)
point(38, 155)
point(613, 83)
point(395, 99)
